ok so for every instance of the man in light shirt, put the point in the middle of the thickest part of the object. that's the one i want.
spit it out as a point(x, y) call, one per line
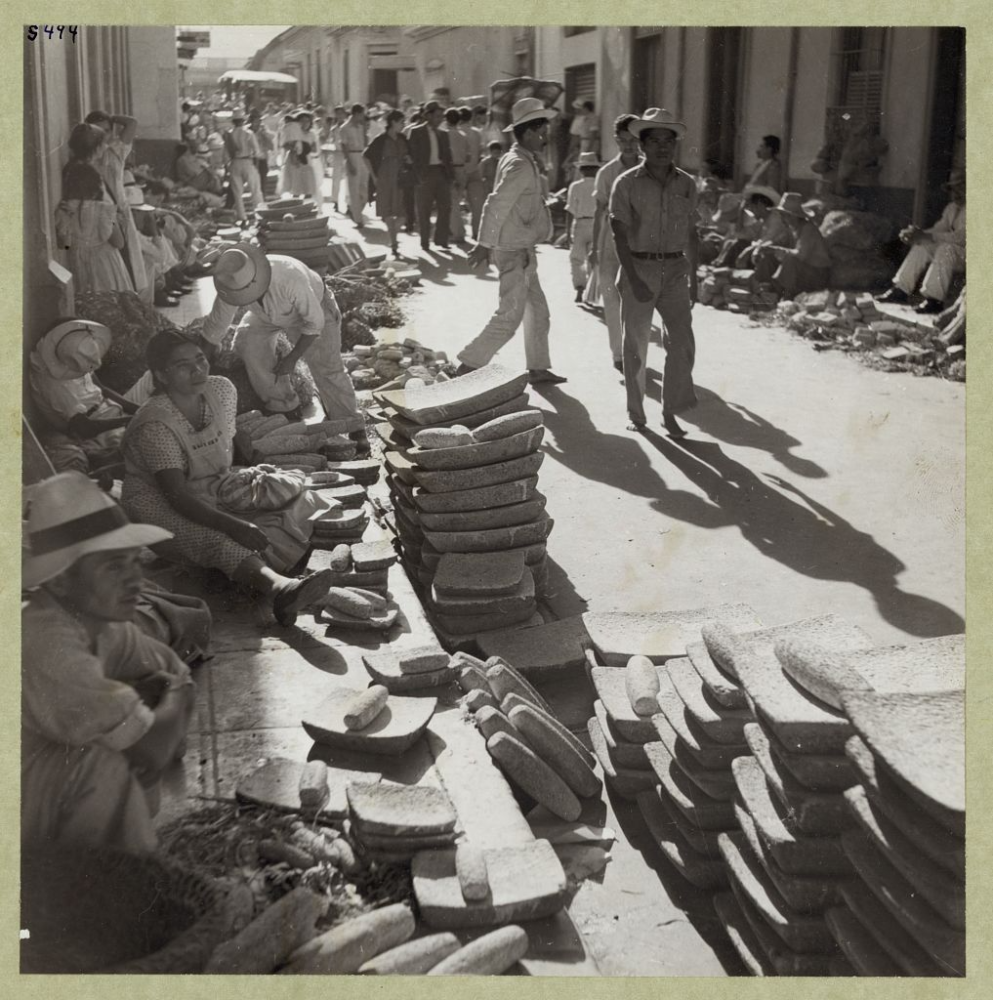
point(242, 149)
point(475, 186)
point(352, 142)
point(459, 145)
point(580, 203)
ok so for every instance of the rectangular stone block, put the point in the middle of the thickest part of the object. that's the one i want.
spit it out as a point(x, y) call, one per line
point(471, 479)
point(482, 498)
point(479, 390)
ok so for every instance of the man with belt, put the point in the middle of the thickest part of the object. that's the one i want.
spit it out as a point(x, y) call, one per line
point(431, 152)
point(475, 188)
point(460, 153)
point(652, 212)
point(352, 142)
point(243, 150)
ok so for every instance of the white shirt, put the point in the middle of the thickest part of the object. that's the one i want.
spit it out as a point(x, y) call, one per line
point(435, 159)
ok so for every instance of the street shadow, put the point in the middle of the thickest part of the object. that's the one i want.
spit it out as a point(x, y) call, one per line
point(560, 595)
point(786, 525)
point(737, 425)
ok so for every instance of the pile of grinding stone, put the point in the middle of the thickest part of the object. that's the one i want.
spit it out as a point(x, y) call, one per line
point(462, 468)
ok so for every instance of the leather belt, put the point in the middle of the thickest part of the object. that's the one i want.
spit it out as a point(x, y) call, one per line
point(658, 256)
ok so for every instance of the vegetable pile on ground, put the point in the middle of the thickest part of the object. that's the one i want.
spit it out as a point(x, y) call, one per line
point(367, 300)
point(395, 364)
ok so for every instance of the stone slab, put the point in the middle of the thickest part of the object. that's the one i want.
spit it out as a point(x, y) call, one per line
point(610, 689)
point(395, 844)
point(478, 390)
point(384, 668)
point(365, 471)
point(719, 723)
point(659, 635)
point(858, 945)
point(793, 851)
point(696, 868)
point(625, 781)
point(945, 893)
point(704, 842)
point(716, 756)
point(722, 687)
point(622, 753)
point(534, 555)
point(381, 622)
point(526, 881)
point(370, 556)
point(800, 932)
point(480, 498)
point(472, 456)
point(400, 467)
point(275, 786)
point(547, 649)
point(785, 961)
point(484, 520)
point(341, 519)
point(889, 935)
point(407, 428)
point(400, 724)
point(943, 943)
point(698, 808)
point(391, 809)
point(717, 784)
point(402, 491)
point(823, 773)
point(467, 642)
point(462, 624)
point(347, 496)
point(479, 575)
point(742, 937)
point(490, 604)
point(493, 539)
point(926, 833)
point(920, 739)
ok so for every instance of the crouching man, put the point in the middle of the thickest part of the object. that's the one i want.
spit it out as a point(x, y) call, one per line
point(104, 708)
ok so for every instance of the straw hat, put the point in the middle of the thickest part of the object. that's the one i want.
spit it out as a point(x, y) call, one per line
point(657, 118)
point(588, 160)
point(791, 203)
point(242, 274)
point(74, 348)
point(70, 517)
point(763, 189)
point(528, 109)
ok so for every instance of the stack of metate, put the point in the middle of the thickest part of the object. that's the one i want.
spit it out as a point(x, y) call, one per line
point(293, 228)
point(790, 865)
point(392, 823)
point(904, 914)
point(467, 488)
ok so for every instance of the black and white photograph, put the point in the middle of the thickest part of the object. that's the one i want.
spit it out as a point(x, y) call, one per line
point(493, 500)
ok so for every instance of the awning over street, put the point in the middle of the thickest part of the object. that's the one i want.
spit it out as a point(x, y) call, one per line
point(255, 76)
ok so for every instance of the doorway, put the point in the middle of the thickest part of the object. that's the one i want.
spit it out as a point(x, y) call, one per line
point(723, 70)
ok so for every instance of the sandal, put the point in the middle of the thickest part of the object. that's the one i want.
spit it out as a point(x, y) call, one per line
point(300, 594)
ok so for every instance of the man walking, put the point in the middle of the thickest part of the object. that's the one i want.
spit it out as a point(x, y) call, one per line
point(652, 212)
point(475, 188)
point(431, 152)
point(243, 150)
point(515, 219)
point(352, 142)
point(460, 151)
point(338, 167)
point(603, 256)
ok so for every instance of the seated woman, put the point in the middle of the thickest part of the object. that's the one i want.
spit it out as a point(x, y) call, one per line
point(178, 452)
point(85, 420)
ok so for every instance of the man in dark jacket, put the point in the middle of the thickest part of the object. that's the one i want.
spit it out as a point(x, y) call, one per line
point(432, 156)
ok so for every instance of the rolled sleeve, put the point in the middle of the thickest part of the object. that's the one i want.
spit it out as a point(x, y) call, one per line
point(620, 202)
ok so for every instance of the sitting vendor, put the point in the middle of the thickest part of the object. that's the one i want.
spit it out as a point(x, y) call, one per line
point(85, 420)
point(104, 708)
point(756, 223)
point(178, 452)
point(193, 172)
point(801, 262)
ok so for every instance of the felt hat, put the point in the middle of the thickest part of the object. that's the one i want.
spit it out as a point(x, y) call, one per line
point(69, 516)
point(241, 274)
point(657, 118)
point(791, 203)
point(74, 348)
point(529, 109)
point(588, 160)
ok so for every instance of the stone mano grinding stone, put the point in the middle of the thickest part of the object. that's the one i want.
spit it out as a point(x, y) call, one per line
point(395, 729)
point(407, 428)
point(540, 650)
point(946, 894)
point(509, 424)
point(720, 724)
point(886, 796)
point(696, 868)
point(482, 498)
point(558, 752)
point(626, 782)
point(704, 842)
point(478, 390)
point(943, 943)
point(493, 539)
point(609, 684)
point(889, 935)
point(716, 784)
point(487, 604)
point(385, 668)
point(920, 738)
point(743, 938)
point(659, 635)
point(725, 642)
point(801, 932)
point(720, 686)
point(804, 894)
point(368, 556)
point(698, 808)
point(809, 771)
point(794, 852)
point(716, 756)
point(484, 520)
point(479, 575)
point(526, 882)
point(275, 785)
point(929, 665)
point(395, 810)
point(859, 945)
point(622, 753)
point(471, 456)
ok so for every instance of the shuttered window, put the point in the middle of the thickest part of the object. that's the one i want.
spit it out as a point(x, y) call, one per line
point(580, 83)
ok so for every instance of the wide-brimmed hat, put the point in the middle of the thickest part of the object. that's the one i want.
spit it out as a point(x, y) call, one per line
point(763, 189)
point(69, 516)
point(528, 109)
point(791, 203)
point(74, 348)
point(588, 160)
point(241, 274)
point(657, 118)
